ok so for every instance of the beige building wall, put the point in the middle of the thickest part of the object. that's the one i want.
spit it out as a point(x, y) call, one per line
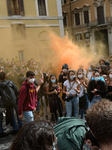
point(35, 40)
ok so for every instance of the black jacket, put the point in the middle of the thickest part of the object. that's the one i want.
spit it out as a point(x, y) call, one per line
point(93, 85)
point(14, 91)
point(61, 80)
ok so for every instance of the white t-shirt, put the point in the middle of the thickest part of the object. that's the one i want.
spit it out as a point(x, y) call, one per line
point(89, 75)
point(68, 86)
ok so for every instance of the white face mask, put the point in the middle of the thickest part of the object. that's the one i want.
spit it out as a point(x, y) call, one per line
point(80, 76)
point(31, 80)
point(64, 70)
point(110, 75)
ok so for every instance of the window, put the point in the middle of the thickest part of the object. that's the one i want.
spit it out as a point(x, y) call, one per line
point(21, 55)
point(87, 35)
point(64, 1)
point(18, 31)
point(100, 15)
point(77, 19)
point(42, 7)
point(65, 19)
point(15, 7)
point(78, 37)
point(86, 17)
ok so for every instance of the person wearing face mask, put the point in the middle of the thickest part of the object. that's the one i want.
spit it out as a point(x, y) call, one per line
point(96, 89)
point(53, 91)
point(90, 71)
point(63, 74)
point(109, 85)
point(72, 87)
point(90, 142)
point(27, 101)
point(83, 90)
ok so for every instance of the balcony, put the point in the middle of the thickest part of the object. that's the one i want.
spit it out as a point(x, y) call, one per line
point(99, 22)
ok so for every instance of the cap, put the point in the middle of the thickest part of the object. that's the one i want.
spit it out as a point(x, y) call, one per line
point(65, 66)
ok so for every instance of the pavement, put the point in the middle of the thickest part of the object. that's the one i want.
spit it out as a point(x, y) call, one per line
point(6, 142)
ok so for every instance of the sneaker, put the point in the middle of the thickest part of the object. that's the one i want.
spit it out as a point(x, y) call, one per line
point(14, 132)
point(3, 134)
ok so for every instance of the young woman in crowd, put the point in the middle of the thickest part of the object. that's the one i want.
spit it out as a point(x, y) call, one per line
point(96, 89)
point(72, 86)
point(83, 90)
point(109, 85)
point(89, 73)
point(53, 91)
point(44, 99)
point(102, 62)
point(103, 70)
point(36, 135)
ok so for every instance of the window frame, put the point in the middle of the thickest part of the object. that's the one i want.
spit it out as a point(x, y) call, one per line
point(37, 9)
point(77, 34)
point(21, 8)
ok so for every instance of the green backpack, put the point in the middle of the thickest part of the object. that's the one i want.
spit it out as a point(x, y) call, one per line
point(70, 133)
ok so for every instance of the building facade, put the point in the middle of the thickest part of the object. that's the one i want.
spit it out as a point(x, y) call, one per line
point(25, 25)
point(89, 22)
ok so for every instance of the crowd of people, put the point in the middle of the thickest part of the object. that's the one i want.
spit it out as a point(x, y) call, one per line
point(26, 87)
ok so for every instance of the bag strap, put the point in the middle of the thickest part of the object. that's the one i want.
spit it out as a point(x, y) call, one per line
point(28, 88)
point(71, 86)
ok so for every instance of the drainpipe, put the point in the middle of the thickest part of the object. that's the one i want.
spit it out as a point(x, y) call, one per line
point(71, 17)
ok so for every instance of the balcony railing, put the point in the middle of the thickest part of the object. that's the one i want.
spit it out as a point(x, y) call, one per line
point(97, 22)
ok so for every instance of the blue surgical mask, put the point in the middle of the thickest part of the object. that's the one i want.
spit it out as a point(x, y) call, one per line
point(97, 78)
point(89, 69)
point(53, 81)
point(72, 77)
point(85, 147)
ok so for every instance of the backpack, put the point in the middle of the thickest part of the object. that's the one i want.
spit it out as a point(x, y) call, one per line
point(70, 133)
point(8, 97)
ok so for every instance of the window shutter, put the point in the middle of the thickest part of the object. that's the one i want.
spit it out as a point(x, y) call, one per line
point(100, 15)
point(86, 17)
point(21, 4)
point(9, 7)
point(77, 19)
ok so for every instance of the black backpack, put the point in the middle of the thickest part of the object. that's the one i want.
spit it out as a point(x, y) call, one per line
point(8, 97)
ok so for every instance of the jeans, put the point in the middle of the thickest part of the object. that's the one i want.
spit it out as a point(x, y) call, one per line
point(15, 127)
point(95, 99)
point(28, 116)
point(20, 123)
point(75, 103)
point(87, 101)
point(82, 113)
point(38, 106)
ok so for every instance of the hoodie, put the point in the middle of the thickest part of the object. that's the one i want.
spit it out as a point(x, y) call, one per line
point(27, 100)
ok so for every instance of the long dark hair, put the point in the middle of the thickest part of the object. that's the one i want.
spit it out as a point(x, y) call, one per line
point(45, 78)
point(104, 70)
point(36, 135)
point(50, 83)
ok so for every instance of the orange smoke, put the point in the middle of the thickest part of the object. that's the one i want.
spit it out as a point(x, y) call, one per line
point(65, 51)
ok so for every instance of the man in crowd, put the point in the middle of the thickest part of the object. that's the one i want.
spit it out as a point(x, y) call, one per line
point(63, 74)
point(99, 119)
point(8, 93)
point(27, 102)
